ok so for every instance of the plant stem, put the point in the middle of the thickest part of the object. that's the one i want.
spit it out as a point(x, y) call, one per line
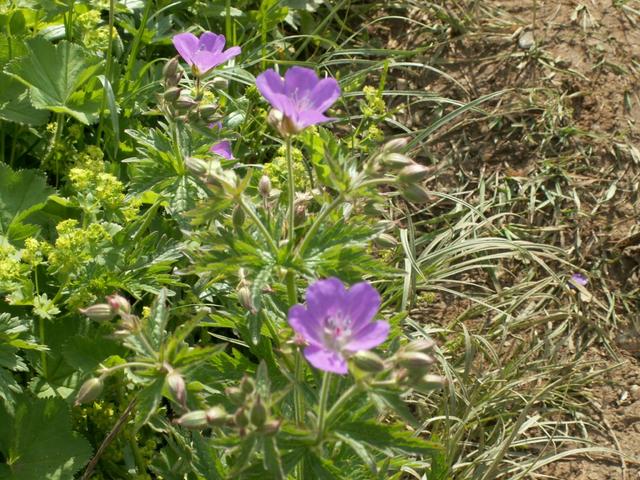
point(254, 217)
point(338, 404)
point(317, 222)
point(107, 371)
point(291, 196)
point(109, 64)
point(136, 42)
point(322, 404)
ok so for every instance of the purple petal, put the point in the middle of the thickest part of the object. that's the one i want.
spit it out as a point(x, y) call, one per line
point(325, 298)
point(217, 125)
point(205, 61)
point(311, 117)
point(579, 279)
point(326, 360)
point(324, 94)
point(223, 149)
point(305, 325)
point(299, 82)
point(363, 302)
point(271, 86)
point(211, 42)
point(230, 53)
point(186, 44)
point(368, 337)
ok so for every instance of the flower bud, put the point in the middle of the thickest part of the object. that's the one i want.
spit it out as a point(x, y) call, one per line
point(258, 414)
point(170, 69)
point(395, 145)
point(220, 83)
point(244, 298)
point(238, 217)
point(99, 312)
point(264, 186)
point(415, 360)
point(216, 416)
point(89, 391)
point(368, 361)
point(118, 303)
point(172, 94)
point(430, 382)
point(414, 193)
point(274, 119)
point(247, 385)
point(177, 387)
point(422, 345)
point(208, 112)
point(300, 213)
point(272, 427)
point(384, 240)
point(195, 420)
point(413, 173)
point(235, 395)
point(396, 161)
point(240, 418)
point(186, 103)
point(197, 166)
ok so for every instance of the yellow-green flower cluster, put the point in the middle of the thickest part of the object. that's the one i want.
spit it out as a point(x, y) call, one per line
point(94, 35)
point(276, 170)
point(373, 104)
point(10, 267)
point(75, 246)
point(34, 251)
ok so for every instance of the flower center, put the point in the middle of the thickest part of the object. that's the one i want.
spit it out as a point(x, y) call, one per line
point(337, 331)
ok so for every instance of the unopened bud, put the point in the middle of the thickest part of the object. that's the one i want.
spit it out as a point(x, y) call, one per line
point(197, 166)
point(384, 240)
point(396, 161)
point(274, 119)
point(235, 395)
point(195, 420)
point(395, 145)
point(238, 217)
point(99, 312)
point(170, 69)
point(208, 112)
point(413, 173)
point(216, 416)
point(186, 103)
point(240, 418)
point(415, 360)
point(272, 427)
point(244, 298)
point(264, 186)
point(220, 83)
point(118, 303)
point(368, 361)
point(89, 391)
point(177, 387)
point(414, 193)
point(430, 382)
point(247, 385)
point(422, 345)
point(171, 94)
point(258, 413)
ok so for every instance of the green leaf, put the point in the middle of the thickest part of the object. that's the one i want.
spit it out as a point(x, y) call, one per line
point(21, 193)
point(60, 78)
point(148, 400)
point(271, 459)
point(386, 437)
point(15, 104)
point(39, 442)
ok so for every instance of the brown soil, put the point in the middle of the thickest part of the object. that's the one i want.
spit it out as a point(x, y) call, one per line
point(570, 115)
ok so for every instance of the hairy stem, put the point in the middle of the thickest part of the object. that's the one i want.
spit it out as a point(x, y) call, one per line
point(291, 196)
point(256, 220)
point(322, 405)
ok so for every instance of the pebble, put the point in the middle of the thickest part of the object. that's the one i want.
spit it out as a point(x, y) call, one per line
point(635, 392)
point(526, 40)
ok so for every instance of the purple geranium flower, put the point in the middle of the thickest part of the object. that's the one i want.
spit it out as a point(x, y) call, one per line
point(300, 96)
point(337, 323)
point(203, 53)
point(223, 149)
point(579, 279)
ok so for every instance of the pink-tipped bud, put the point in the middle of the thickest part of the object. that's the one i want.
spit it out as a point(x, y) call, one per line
point(89, 391)
point(264, 186)
point(272, 427)
point(177, 387)
point(119, 304)
point(216, 416)
point(170, 69)
point(413, 173)
point(99, 312)
point(396, 161)
point(415, 360)
point(395, 145)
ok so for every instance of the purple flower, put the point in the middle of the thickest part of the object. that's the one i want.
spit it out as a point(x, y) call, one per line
point(223, 149)
point(337, 323)
point(579, 279)
point(300, 96)
point(203, 53)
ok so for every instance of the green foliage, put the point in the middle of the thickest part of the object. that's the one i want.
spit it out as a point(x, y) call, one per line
point(60, 78)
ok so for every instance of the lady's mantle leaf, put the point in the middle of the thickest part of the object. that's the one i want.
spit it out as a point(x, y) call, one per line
point(58, 76)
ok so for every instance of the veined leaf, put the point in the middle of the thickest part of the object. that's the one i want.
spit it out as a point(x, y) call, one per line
point(59, 78)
